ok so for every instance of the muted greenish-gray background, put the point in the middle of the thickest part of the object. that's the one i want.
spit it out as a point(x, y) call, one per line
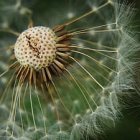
point(129, 126)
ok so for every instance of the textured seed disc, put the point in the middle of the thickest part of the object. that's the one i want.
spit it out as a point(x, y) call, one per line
point(36, 47)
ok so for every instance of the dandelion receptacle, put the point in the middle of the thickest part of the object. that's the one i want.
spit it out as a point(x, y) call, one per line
point(62, 64)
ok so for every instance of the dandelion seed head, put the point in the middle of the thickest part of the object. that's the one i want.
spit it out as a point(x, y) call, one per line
point(36, 47)
point(74, 69)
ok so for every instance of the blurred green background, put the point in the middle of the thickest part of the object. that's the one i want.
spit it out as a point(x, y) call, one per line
point(128, 127)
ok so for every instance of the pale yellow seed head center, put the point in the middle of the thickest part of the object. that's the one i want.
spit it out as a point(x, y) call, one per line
point(36, 47)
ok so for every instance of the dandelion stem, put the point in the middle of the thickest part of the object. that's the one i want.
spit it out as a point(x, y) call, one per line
point(92, 28)
point(87, 72)
point(24, 95)
point(90, 49)
point(41, 111)
point(8, 69)
point(87, 91)
point(6, 89)
point(93, 60)
point(95, 31)
point(86, 14)
point(51, 95)
point(62, 101)
point(94, 43)
point(10, 31)
point(79, 88)
point(32, 110)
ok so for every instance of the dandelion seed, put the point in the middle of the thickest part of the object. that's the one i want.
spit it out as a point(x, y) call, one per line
point(60, 79)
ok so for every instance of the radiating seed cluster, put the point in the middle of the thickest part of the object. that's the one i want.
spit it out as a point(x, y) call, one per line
point(75, 71)
point(36, 47)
